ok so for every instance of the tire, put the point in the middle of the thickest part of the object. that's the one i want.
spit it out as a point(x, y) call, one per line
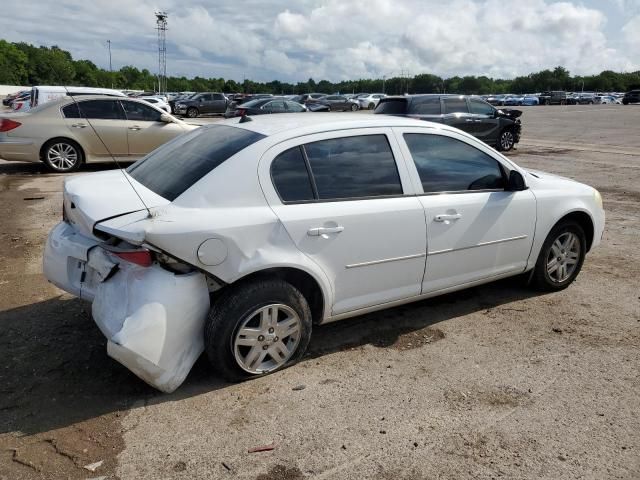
point(192, 112)
point(544, 276)
point(563, 102)
point(506, 140)
point(237, 357)
point(354, 108)
point(547, 102)
point(62, 155)
point(371, 106)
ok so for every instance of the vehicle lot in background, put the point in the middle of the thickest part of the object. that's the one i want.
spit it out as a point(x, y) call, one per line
point(338, 103)
point(201, 104)
point(262, 106)
point(370, 101)
point(494, 382)
point(631, 97)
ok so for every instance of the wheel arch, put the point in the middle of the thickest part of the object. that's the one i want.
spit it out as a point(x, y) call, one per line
point(583, 219)
point(61, 138)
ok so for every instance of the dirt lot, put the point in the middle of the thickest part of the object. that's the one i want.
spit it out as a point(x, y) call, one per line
point(496, 381)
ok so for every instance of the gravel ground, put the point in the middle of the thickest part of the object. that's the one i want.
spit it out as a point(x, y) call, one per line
point(496, 381)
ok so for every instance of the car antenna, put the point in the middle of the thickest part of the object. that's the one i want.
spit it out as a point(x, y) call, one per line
point(245, 118)
point(80, 112)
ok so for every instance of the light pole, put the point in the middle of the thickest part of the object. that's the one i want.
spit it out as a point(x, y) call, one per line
point(110, 69)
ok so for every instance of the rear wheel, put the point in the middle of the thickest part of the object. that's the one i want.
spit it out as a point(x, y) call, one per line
point(561, 257)
point(192, 112)
point(62, 155)
point(371, 106)
point(257, 328)
point(354, 108)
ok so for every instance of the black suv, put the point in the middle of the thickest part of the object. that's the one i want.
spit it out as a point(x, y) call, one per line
point(557, 97)
point(631, 97)
point(498, 128)
point(202, 103)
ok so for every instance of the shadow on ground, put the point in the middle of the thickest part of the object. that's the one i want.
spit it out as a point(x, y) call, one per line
point(27, 168)
point(56, 371)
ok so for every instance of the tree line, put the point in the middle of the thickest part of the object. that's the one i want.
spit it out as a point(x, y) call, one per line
point(25, 64)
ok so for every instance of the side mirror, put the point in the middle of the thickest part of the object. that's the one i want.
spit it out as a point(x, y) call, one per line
point(516, 182)
point(166, 118)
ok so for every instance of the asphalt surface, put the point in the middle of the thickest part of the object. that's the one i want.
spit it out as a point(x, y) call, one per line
point(497, 381)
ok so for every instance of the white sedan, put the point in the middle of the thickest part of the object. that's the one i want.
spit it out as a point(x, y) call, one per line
point(236, 238)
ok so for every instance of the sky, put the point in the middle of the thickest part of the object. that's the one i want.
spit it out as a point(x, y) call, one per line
point(337, 40)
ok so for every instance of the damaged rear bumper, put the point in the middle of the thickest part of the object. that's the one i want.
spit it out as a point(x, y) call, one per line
point(153, 319)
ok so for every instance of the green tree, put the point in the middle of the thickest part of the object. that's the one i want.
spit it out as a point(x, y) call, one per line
point(13, 65)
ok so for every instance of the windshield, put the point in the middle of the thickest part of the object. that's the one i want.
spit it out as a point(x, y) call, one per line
point(173, 168)
point(255, 103)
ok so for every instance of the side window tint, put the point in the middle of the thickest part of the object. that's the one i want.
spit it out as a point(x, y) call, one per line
point(294, 107)
point(71, 111)
point(480, 108)
point(141, 112)
point(455, 105)
point(276, 106)
point(449, 165)
point(290, 176)
point(353, 167)
point(425, 106)
point(101, 109)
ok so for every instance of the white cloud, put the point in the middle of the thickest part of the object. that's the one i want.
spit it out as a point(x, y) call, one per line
point(338, 39)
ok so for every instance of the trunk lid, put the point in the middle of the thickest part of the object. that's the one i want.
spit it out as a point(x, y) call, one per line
point(95, 197)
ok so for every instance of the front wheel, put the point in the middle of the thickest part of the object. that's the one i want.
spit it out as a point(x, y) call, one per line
point(354, 108)
point(257, 328)
point(507, 140)
point(561, 257)
point(192, 112)
point(372, 106)
point(62, 156)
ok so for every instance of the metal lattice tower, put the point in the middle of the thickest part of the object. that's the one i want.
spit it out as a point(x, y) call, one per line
point(161, 22)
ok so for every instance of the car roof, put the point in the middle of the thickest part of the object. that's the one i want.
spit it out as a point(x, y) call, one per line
point(296, 124)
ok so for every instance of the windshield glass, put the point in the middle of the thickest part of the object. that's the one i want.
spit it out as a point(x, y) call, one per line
point(173, 168)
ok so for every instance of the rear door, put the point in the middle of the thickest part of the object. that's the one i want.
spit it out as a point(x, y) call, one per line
point(476, 230)
point(144, 129)
point(455, 113)
point(486, 125)
point(426, 108)
point(107, 118)
point(276, 106)
point(218, 103)
point(206, 103)
point(348, 205)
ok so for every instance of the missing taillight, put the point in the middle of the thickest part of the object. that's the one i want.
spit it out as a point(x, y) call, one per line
point(6, 124)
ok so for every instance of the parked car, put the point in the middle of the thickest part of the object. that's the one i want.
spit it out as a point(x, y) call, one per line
point(309, 97)
point(556, 97)
point(21, 102)
point(338, 103)
point(513, 100)
point(499, 128)
point(496, 100)
point(264, 105)
point(61, 133)
point(632, 96)
point(610, 99)
point(239, 237)
point(369, 102)
point(158, 102)
point(583, 99)
point(6, 101)
point(202, 103)
point(530, 100)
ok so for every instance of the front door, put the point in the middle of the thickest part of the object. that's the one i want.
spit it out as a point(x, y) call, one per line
point(341, 199)
point(486, 125)
point(455, 113)
point(145, 130)
point(476, 229)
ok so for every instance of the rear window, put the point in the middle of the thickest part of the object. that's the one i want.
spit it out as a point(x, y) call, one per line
point(173, 168)
point(392, 106)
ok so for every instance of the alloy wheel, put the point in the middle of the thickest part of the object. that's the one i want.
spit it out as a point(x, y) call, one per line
point(506, 140)
point(563, 257)
point(62, 156)
point(267, 338)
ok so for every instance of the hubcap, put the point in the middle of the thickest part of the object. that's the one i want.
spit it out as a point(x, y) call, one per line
point(506, 141)
point(62, 156)
point(267, 338)
point(563, 257)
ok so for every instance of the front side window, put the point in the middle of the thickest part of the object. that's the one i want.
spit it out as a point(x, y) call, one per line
point(449, 165)
point(101, 109)
point(275, 106)
point(140, 112)
point(353, 167)
point(294, 107)
point(455, 105)
point(291, 177)
point(480, 108)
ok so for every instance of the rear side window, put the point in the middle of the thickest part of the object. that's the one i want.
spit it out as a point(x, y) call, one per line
point(291, 177)
point(101, 109)
point(71, 111)
point(455, 105)
point(425, 106)
point(449, 165)
point(395, 106)
point(353, 167)
point(176, 166)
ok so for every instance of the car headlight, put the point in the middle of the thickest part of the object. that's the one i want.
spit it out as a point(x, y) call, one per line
point(180, 105)
point(598, 198)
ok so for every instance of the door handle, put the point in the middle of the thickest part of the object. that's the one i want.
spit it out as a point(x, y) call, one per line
point(317, 231)
point(79, 125)
point(135, 127)
point(444, 217)
point(477, 121)
point(469, 120)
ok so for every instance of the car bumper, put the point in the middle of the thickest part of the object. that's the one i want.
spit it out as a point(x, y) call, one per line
point(153, 319)
point(18, 149)
point(180, 111)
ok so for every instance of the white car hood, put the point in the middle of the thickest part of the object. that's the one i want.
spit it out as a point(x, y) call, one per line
point(94, 197)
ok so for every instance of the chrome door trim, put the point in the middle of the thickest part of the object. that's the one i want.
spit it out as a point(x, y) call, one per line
point(481, 244)
point(385, 260)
